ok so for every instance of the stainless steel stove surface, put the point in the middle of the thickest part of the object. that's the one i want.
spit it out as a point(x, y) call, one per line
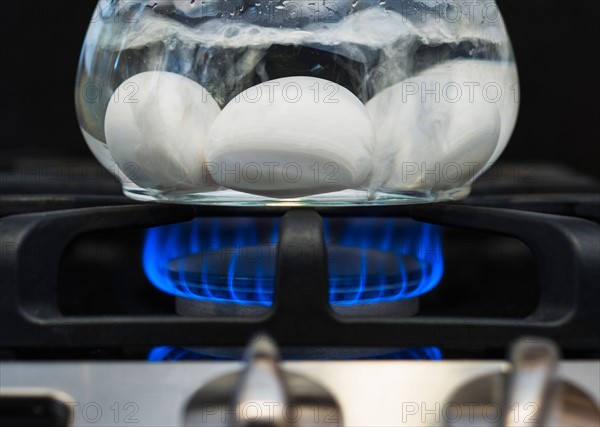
point(350, 393)
point(120, 313)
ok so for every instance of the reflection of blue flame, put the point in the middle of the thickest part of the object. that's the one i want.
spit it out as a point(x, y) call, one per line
point(233, 259)
point(172, 354)
point(416, 353)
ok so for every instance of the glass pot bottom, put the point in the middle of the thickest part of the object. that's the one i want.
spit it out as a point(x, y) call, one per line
point(340, 198)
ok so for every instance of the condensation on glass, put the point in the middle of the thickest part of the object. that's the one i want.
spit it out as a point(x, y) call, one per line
point(297, 102)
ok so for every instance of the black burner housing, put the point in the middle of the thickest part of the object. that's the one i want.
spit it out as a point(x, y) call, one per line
point(58, 294)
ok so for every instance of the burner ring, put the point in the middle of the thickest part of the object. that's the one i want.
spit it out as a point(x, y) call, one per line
point(400, 308)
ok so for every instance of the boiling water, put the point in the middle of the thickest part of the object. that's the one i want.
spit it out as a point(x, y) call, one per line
point(230, 46)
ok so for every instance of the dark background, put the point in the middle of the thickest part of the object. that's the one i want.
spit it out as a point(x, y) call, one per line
point(557, 45)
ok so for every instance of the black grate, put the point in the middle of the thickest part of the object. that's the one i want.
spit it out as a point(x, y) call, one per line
point(565, 249)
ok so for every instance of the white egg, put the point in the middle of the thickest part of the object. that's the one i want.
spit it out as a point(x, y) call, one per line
point(431, 135)
point(292, 137)
point(156, 128)
point(492, 82)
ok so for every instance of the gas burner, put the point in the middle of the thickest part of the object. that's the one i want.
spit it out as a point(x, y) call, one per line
point(371, 278)
point(563, 248)
point(386, 298)
point(226, 267)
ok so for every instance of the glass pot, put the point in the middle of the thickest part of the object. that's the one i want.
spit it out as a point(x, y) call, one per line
point(270, 102)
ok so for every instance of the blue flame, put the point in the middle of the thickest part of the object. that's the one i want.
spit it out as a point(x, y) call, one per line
point(416, 250)
point(233, 259)
point(173, 354)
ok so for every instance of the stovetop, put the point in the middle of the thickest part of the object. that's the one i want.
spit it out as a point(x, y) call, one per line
point(79, 311)
point(521, 258)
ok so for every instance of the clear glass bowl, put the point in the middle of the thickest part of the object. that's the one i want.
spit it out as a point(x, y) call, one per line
point(270, 102)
